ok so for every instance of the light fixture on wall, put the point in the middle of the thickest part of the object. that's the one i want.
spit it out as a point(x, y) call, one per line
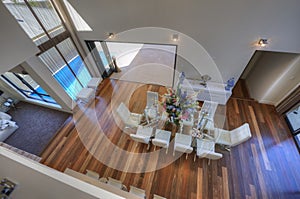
point(262, 42)
point(111, 35)
point(175, 37)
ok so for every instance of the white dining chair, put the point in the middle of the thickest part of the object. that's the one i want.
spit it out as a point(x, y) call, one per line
point(103, 180)
point(116, 183)
point(158, 197)
point(183, 143)
point(143, 135)
point(210, 108)
point(233, 137)
point(152, 98)
point(162, 139)
point(92, 174)
point(94, 82)
point(151, 110)
point(138, 192)
point(187, 126)
point(131, 120)
point(85, 95)
point(206, 149)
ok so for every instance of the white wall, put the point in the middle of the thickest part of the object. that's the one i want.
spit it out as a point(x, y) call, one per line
point(41, 74)
point(15, 45)
point(273, 76)
point(39, 181)
point(228, 30)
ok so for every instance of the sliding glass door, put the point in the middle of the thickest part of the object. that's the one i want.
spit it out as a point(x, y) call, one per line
point(102, 57)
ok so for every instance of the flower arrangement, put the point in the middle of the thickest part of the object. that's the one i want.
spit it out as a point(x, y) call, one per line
point(178, 104)
point(172, 106)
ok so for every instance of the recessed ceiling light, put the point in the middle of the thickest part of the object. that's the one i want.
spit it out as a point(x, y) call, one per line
point(175, 37)
point(262, 42)
point(111, 35)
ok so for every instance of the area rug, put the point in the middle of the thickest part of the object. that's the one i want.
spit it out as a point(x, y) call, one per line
point(37, 126)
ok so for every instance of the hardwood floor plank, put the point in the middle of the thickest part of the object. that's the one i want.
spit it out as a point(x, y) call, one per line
point(199, 183)
point(266, 166)
point(236, 108)
point(260, 176)
point(225, 190)
point(260, 139)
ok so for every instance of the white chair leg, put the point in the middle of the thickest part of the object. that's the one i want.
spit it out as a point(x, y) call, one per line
point(224, 147)
point(154, 147)
point(195, 156)
point(148, 147)
point(167, 150)
point(186, 156)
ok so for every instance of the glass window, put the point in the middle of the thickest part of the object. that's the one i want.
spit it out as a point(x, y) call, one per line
point(102, 56)
point(45, 13)
point(27, 21)
point(47, 16)
point(28, 87)
point(71, 55)
point(61, 72)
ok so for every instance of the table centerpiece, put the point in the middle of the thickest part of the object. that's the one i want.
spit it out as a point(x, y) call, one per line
point(178, 104)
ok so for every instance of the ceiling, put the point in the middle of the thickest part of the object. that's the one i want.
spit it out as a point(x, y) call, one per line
point(227, 30)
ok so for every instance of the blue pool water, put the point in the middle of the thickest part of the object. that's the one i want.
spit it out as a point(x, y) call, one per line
point(103, 58)
point(40, 90)
point(66, 78)
point(68, 81)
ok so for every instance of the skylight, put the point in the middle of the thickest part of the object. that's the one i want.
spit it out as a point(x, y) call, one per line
point(79, 22)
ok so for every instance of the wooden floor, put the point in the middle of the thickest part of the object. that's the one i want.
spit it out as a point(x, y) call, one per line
point(266, 166)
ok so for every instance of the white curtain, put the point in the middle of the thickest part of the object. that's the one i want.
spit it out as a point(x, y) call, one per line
point(61, 72)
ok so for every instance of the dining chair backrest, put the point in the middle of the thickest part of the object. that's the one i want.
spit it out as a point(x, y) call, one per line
point(183, 143)
point(92, 174)
point(138, 192)
point(187, 127)
point(209, 154)
point(116, 183)
point(162, 138)
point(210, 108)
point(158, 197)
point(240, 134)
point(140, 138)
point(123, 112)
point(233, 137)
point(152, 98)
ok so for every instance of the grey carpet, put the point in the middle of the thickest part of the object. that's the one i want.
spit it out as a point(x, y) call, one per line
point(37, 126)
